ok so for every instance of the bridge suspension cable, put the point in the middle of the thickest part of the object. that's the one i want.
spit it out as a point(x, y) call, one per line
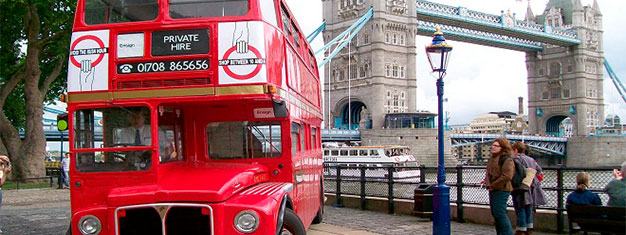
point(618, 84)
point(342, 39)
point(317, 31)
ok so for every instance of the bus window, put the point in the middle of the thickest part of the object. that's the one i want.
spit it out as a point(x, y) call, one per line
point(296, 36)
point(118, 11)
point(242, 140)
point(171, 123)
point(120, 127)
point(286, 22)
point(302, 137)
point(181, 9)
point(313, 138)
point(295, 137)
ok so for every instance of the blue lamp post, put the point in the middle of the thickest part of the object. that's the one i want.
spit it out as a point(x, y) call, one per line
point(438, 53)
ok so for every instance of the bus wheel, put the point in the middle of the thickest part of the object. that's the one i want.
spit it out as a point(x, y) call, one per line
point(292, 224)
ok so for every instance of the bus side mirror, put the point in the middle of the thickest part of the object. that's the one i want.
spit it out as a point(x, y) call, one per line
point(280, 108)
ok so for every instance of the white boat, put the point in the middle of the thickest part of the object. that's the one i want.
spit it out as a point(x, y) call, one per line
point(375, 159)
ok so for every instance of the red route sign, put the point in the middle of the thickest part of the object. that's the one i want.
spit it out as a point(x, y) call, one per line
point(245, 76)
point(87, 37)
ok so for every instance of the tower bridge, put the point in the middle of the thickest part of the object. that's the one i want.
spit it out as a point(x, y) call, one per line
point(376, 74)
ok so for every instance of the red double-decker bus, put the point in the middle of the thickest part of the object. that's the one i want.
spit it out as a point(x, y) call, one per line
point(193, 117)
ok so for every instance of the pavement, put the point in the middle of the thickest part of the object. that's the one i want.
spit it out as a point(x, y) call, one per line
point(47, 211)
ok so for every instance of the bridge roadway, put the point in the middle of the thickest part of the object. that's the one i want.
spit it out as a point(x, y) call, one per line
point(47, 211)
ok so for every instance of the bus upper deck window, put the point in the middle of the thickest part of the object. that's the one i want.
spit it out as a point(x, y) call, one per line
point(118, 11)
point(181, 9)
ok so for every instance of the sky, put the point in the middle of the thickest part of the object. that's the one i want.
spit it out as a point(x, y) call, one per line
point(494, 80)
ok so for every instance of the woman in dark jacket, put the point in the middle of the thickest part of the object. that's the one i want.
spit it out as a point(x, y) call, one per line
point(498, 181)
point(582, 196)
point(529, 194)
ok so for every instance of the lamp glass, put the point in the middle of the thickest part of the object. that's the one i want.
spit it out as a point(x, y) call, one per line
point(435, 55)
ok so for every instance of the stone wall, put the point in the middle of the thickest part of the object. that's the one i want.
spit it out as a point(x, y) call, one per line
point(423, 143)
point(596, 151)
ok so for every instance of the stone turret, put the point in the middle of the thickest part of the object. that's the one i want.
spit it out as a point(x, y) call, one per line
point(380, 66)
point(530, 16)
point(567, 82)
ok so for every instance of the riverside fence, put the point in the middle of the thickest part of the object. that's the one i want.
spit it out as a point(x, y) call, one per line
point(368, 180)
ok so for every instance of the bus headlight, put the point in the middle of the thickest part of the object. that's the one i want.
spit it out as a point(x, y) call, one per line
point(247, 221)
point(89, 225)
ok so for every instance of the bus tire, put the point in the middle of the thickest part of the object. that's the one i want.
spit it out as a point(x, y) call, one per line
point(320, 213)
point(292, 223)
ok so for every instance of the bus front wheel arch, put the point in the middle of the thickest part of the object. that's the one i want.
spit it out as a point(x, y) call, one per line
point(292, 224)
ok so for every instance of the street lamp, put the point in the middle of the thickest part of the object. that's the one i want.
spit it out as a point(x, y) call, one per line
point(438, 53)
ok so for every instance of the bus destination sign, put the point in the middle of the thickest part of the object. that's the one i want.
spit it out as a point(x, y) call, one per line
point(163, 66)
point(180, 42)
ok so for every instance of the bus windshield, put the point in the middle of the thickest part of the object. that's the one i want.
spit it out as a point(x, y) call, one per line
point(239, 140)
point(113, 128)
point(119, 11)
point(180, 9)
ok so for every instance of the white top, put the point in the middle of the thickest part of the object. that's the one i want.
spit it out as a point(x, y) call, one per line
point(127, 136)
point(66, 163)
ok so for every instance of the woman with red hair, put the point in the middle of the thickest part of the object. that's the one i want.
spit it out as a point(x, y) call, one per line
point(500, 169)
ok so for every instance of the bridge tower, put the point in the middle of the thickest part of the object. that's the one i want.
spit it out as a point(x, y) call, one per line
point(567, 82)
point(380, 67)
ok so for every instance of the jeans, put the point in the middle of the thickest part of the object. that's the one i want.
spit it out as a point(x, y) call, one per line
point(66, 178)
point(524, 213)
point(497, 203)
point(524, 217)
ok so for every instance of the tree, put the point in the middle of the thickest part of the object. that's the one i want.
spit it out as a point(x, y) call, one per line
point(31, 77)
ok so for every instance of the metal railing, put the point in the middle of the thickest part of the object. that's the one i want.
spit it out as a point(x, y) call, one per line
point(52, 175)
point(29, 181)
point(367, 181)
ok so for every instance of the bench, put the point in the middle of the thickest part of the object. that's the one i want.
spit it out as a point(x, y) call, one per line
point(600, 219)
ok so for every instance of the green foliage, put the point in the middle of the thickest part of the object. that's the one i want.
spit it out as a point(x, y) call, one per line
point(12, 185)
point(55, 18)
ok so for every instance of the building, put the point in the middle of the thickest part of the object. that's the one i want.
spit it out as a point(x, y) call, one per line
point(613, 126)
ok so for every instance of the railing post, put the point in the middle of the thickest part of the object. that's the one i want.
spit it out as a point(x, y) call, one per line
point(51, 181)
point(559, 207)
point(422, 173)
point(390, 187)
point(338, 200)
point(459, 194)
point(17, 184)
point(362, 187)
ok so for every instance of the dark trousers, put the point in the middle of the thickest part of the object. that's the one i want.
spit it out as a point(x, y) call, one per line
point(497, 203)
